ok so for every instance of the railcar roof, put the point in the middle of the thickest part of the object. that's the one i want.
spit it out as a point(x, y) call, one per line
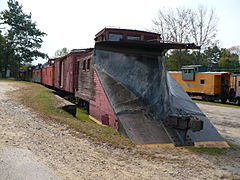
point(143, 47)
point(72, 52)
point(208, 72)
point(119, 29)
point(191, 66)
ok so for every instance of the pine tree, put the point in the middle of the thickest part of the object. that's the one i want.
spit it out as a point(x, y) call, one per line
point(24, 39)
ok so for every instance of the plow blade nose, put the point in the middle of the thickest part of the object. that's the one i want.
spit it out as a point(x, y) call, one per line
point(143, 95)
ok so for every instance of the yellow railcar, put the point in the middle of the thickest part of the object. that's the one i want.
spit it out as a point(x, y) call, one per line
point(209, 85)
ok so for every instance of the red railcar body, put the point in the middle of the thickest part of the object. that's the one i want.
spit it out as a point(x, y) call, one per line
point(57, 73)
point(100, 107)
point(37, 74)
point(48, 76)
point(89, 88)
point(65, 71)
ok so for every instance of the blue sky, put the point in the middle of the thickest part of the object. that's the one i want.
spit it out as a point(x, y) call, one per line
point(74, 23)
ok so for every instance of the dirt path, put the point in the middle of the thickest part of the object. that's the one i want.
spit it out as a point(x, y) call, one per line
point(225, 119)
point(77, 157)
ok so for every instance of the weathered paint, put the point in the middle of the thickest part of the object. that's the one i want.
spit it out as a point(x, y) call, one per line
point(57, 73)
point(143, 95)
point(84, 78)
point(100, 108)
point(47, 76)
point(89, 88)
point(37, 76)
point(65, 71)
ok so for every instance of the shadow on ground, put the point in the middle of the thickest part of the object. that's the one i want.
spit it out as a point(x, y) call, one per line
point(71, 109)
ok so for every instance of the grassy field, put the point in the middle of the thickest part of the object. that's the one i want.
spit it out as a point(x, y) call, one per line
point(43, 101)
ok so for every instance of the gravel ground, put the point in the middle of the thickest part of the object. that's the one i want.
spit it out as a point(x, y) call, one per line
point(225, 119)
point(72, 155)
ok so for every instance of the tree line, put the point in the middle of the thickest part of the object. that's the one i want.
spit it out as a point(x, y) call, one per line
point(215, 58)
point(20, 39)
point(199, 26)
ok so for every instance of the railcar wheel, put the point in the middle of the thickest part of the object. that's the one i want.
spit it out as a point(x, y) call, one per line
point(224, 100)
point(238, 102)
point(204, 98)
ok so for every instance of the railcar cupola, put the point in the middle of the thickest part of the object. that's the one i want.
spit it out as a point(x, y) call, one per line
point(188, 72)
point(115, 34)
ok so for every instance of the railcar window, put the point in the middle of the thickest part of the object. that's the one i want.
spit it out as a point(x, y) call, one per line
point(147, 38)
point(202, 81)
point(84, 65)
point(78, 66)
point(238, 83)
point(88, 64)
point(133, 37)
point(185, 71)
point(115, 37)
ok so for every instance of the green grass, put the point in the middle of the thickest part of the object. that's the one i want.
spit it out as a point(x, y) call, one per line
point(217, 104)
point(215, 151)
point(6, 79)
point(81, 114)
point(43, 101)
point(206, 150)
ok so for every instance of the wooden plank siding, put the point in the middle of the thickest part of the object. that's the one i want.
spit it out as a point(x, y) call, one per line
point(66, 71)
point(37, 76)
point(57, 73)
point(85, 84)
point(89, 88)
point(100, 108)
point(47, 76)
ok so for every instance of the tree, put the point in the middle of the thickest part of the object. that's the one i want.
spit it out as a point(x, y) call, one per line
point(177, 59)
point(203, 28)
point(185, 25)
point(211, 56)
point(235, 50)
point(2, 50)
point(173, 24)
point(228, 61)
point(23, 36)
point(61, 52)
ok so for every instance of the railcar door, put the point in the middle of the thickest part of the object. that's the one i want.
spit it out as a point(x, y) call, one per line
point(224, 89)
point(238, 89)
